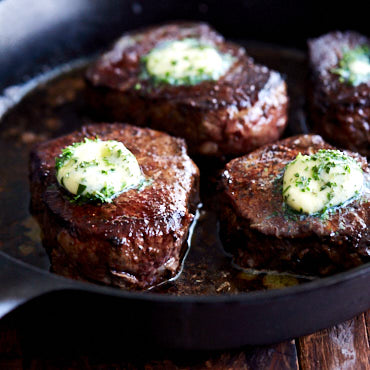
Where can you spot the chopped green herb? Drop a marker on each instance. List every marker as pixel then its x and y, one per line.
pixel 286 189
pixel 348 67
pixel 85 164
pixel 81 189
pixel 181 69
pixel 107 161
pixel 326 169
pixel 104 153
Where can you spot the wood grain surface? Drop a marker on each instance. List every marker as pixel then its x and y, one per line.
pixel 345 346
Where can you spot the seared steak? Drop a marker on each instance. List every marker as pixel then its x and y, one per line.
pixel 261 232
pixel 135 241
pixel 340 112
pixel 244 109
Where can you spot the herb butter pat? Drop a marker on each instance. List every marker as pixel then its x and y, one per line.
pixel 354 67
pixel 186 62
pixel 96 170
pixel 322 180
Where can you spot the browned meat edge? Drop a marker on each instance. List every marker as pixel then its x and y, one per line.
pixel 137 240
pixel 261 234
pixel 340 112
pixel 244 109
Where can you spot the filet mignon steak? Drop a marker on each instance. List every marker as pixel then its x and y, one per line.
pixel 242 110
pixel 259 230
pixel 138 239
pixel 340 112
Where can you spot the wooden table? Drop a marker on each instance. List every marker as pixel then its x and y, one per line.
pixel 344 346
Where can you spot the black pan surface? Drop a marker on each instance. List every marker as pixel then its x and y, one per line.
pixel 213 304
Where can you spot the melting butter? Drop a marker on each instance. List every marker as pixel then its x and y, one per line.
pixel 322 180
pixel 354 66
pixel 97 170
pixel 186 62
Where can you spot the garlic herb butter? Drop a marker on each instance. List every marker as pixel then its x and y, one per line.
pixel 96 170
pixel 314 183
pixel 186 62
pixel 354 67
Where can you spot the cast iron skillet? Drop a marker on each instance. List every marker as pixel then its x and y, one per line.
pixel 51 33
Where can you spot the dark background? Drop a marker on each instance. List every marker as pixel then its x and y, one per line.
pixel 36 35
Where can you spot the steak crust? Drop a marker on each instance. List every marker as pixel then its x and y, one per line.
pixel 340 112
pixel 261 233
pixel 244 109
pixel 135 241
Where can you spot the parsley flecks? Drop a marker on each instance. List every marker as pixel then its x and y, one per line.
pixel 65 156
pixel 183 63
pixel 286 189
pixel 114 165
pixel 67 153
pixel 303 183
pixel 347 70
pixel 108 162
pixel 85 164
pixel 330 159
pixel 81 189
pixel 324 177
pixel 105 195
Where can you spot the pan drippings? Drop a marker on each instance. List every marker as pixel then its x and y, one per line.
pixel 58 107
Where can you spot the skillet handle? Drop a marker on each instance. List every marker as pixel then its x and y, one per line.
pixel 20 282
